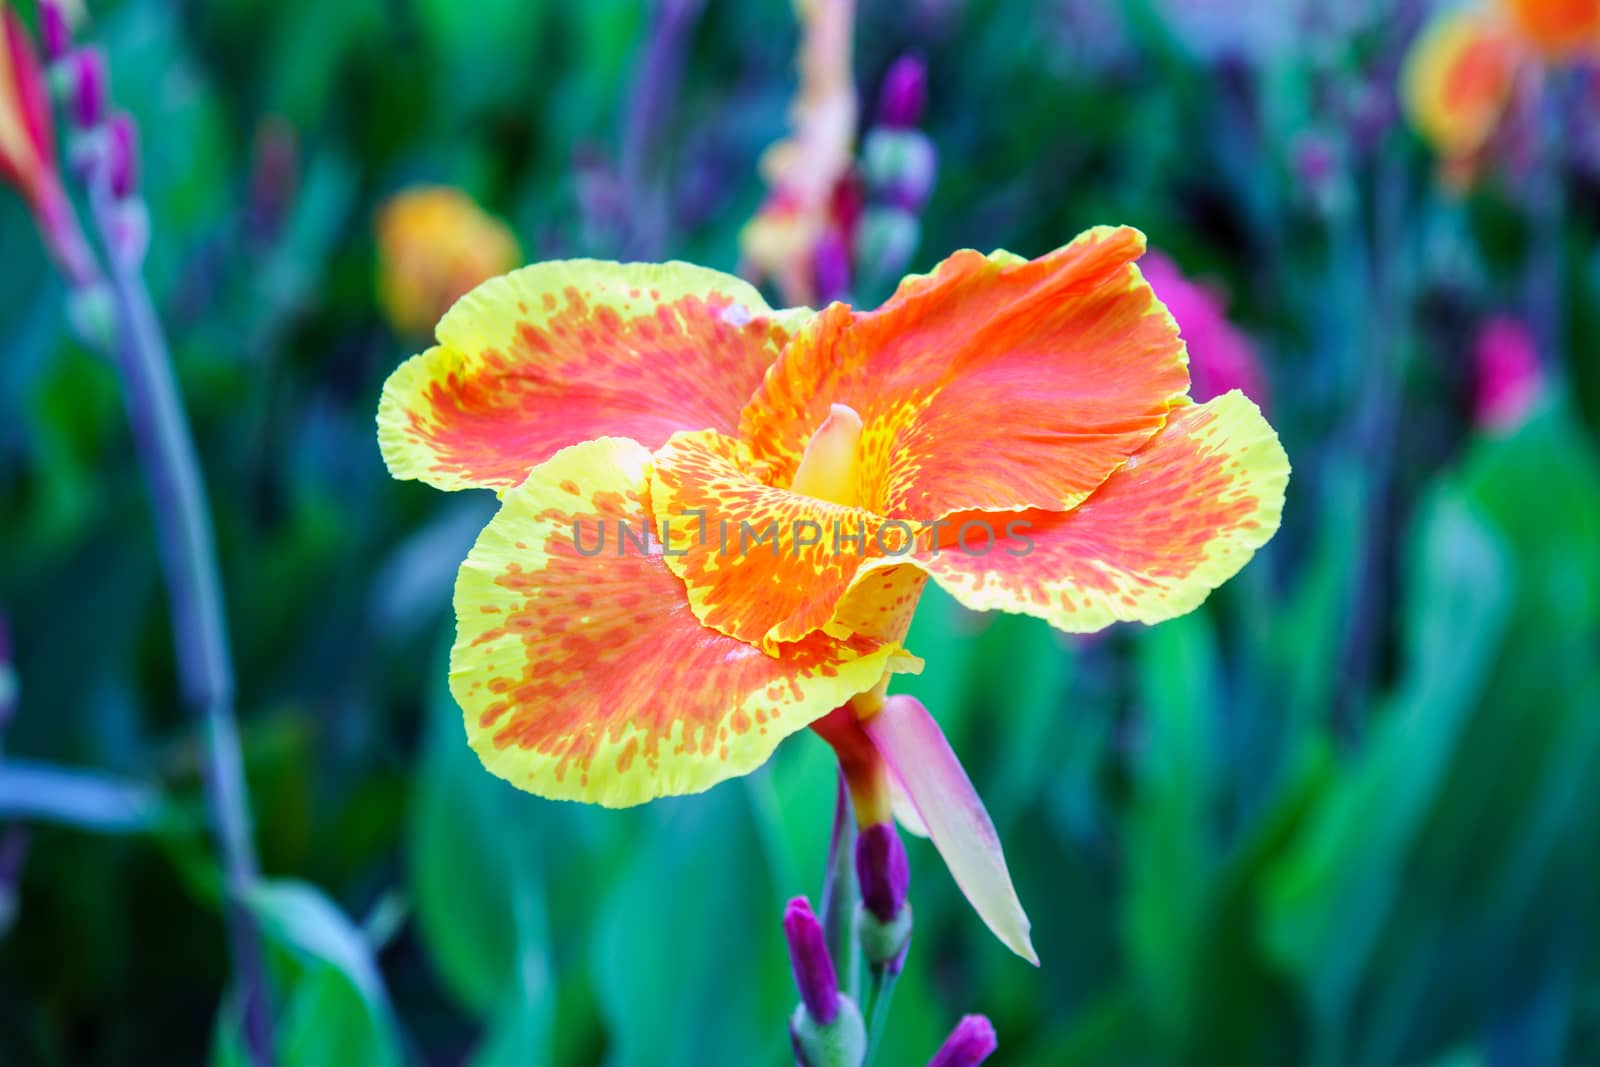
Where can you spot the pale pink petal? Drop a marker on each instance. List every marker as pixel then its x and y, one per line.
pixel 920 758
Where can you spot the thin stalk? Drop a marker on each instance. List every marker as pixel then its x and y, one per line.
pixel 183 530
pixel 880 991
pixel 841 894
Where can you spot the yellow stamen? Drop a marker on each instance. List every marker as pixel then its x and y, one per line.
pixel 827 471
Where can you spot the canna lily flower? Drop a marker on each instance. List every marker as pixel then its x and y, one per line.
pixel 434 244
pixel 716 518
pixel 1469 62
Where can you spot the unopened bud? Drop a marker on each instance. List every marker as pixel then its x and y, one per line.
pixel 969 1044
pixel 122 155
pixel 899 166
pixel 884 924
pixel 813 967
pixel 905 89
pixel 830 264
pixel 91 312
pixel 55 35
pixel 841 1043
pixel 90 87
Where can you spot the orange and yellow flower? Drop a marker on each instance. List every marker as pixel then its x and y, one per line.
pixel 1468 62
pixel 716 518
pixel 434 244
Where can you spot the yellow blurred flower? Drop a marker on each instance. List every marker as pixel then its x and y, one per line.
pixel 434 244
pixel 1457 80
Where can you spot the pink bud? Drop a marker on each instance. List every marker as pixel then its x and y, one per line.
pixel 969 1044
pixel 89 88
pixel 1509 377
pixel 813 967
pixel 905 91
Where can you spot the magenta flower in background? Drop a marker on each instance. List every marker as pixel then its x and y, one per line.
pixel 1221 357
pixel 1509 377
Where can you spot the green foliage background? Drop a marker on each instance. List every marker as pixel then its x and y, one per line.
pixel 1344 815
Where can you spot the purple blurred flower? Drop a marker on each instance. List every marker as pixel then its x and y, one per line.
pixel 1221 357
pixel 969 1044
pixel 813 967
pixel 89 88
pixel 55 35
pixel 904 94
pixel 1509 377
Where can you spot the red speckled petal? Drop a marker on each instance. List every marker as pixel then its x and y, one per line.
pixel 768 565
pixel 1182 517
pixel 557 353
pixel 992 383
pixel 580 668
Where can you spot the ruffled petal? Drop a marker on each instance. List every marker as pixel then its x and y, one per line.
pixel 1182 517
pixel 562 352
pixel 992 383
pixel 583 674
pixel 766 565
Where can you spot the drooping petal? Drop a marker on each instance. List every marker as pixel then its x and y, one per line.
pixel 583 674
pixel 562 352
pixel 1182 517
pixel 993 382
pixel 762 564
pixel 920 758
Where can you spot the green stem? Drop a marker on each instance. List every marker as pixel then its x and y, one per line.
pixel 183 528
pixel 880 991
pixel 840 894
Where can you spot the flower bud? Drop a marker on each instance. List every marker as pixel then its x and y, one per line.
pixel 826 1028
pixel 905 91
pixel 813 967
pixel 830 262
pixel 841 1043
pixel 899 166
pixel 884 922
pixel 55 35
pixel 969 1044
pixel 89 88
pixel 122 155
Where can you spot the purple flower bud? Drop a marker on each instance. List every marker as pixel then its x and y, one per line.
pixel 884 871
pixel 813 967
pixel 905 90
pixel 54 34
pixel 89 87
pixel 969 1044
pixel 830 263
pixel 122 155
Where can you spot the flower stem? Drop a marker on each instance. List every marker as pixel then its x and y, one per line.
pixel 183 529
pixel 880 990
pixel 840 894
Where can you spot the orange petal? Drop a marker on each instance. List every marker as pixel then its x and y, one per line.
pixel 1557 28
pixel 1182 517
pixel 558 353
pixel 580 668
pixel 993 382
pixel 764 564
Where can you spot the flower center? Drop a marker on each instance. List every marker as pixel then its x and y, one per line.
pixel 827 471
